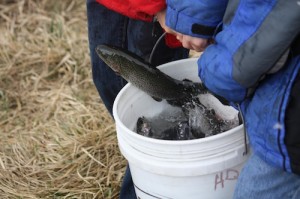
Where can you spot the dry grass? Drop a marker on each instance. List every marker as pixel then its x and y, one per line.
pixel 56 138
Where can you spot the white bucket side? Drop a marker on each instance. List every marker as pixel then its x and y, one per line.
pixel 219 185
pixel 182 166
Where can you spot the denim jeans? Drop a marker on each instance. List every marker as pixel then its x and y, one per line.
pixel 259 180
pixel 108 27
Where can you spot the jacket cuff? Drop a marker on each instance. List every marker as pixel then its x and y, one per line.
pixel 188 25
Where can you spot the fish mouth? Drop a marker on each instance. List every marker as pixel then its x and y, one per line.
pixel 103 52
pixel 106 54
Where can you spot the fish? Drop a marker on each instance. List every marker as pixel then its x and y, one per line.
pixel 147 77
pixel 201 121
pixel 163 129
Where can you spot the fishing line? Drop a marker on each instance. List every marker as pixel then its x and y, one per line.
pixel 155 46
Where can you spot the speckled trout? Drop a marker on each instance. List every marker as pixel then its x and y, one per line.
pixel 147 77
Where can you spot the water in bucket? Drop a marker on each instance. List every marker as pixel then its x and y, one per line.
pixel 192 120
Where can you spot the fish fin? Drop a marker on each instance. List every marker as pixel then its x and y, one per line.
pixel 187 80
pixel 157 99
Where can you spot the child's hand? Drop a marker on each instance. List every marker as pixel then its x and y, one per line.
pixel 193 43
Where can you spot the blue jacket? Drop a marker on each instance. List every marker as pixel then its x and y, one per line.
pixel 255 62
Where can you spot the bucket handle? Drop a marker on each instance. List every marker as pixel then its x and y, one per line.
pixel 244 129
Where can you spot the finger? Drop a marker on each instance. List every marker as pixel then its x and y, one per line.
pixel 190 43
pixel 197 48
pixel 187 44
pixel 199 44
pixel 169 30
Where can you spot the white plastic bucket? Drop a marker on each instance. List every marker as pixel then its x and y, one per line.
pixel 190 169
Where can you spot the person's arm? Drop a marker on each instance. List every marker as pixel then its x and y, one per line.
pixel 194 43
pixel 255 35
pixel 193 22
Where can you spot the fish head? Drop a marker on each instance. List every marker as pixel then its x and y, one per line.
pixel 108 55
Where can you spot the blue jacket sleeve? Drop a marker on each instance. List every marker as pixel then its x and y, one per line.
pixel 198 18
pixel 253 39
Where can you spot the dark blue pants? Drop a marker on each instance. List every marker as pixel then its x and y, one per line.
pixel 108 27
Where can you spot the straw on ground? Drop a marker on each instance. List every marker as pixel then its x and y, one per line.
pixel 56 138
